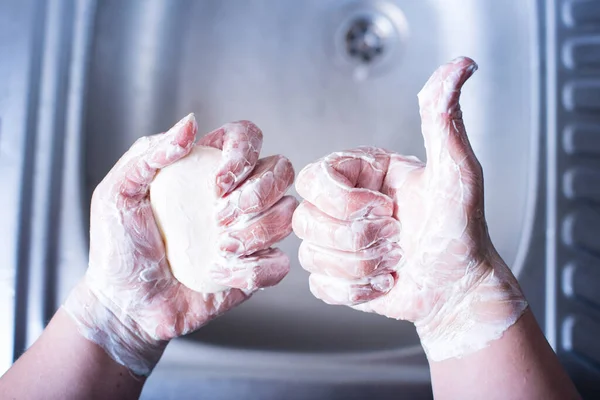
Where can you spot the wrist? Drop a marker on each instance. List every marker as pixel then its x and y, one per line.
pixel 99 320
pixel 485 302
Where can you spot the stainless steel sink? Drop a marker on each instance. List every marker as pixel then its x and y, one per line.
pixel 289 67
pixel 317 77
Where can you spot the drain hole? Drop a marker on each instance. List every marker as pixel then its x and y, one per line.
pixel 368 38
pixel 364 40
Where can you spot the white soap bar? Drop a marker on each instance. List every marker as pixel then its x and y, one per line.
pixel 183 201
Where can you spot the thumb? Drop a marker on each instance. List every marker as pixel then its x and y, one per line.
pixel 446 141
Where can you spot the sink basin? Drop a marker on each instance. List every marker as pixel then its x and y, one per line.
pixel 316 77
pixel 290 68
pixel 88 77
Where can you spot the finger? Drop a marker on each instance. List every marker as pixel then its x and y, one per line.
pixel 349 292
pixel 262 269
pixel 384 257
pixel 149 154
pixel 445 136
pixel 363 167
pixel 346 185
pixel 267 183
pixel 314 226
pixel 241 142
pixel 261 231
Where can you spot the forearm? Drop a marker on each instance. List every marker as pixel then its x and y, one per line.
pixel 62 364
pixel 519 365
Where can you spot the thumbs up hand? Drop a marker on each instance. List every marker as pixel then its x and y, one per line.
pixel 388 234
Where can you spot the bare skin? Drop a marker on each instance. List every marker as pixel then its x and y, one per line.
pixel 519 365
pixel 62 364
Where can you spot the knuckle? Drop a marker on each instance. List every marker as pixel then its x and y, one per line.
pixel 250 127
pixel 141 143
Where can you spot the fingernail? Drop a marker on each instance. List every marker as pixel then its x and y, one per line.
pixel 182 122
pixel 187 118
pixel 224 183
pixel 229 244
pixel 382 283
pixel 180 137
pixel 226 212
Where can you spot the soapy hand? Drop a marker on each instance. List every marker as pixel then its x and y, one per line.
pixel 129 303
pixel 386 233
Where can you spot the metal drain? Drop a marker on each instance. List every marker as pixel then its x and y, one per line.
pixel 365 41
pixel 369 37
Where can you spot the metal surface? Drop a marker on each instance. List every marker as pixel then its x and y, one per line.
pixel 572 292
pixel 21 24
pixel 369 37
pixel 135 67
pixel 273 63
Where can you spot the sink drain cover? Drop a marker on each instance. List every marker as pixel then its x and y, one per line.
pixel 368 38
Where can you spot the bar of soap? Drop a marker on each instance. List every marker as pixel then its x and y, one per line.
pixel 183 200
